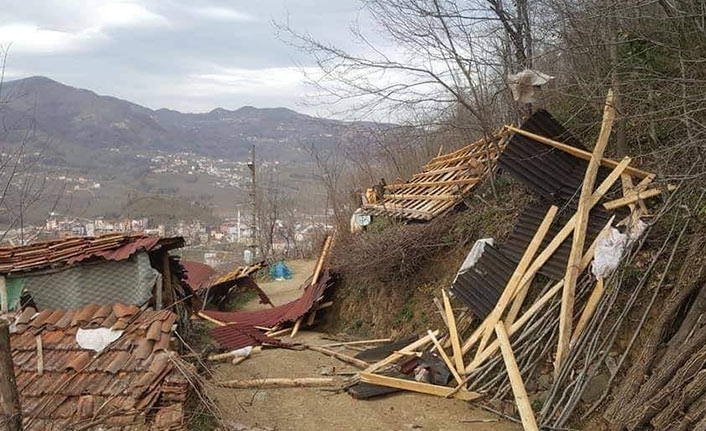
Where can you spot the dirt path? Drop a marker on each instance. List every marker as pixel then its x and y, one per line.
pixel 307 409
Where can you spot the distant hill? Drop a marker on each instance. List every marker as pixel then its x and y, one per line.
pixel 79 123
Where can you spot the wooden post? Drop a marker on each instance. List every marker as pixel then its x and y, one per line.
pixel 582 213
pixel 40 355
pixel 158 293
pixel 588 310
pixel 10 411
pixel 167 292
pixel 4 299
pixel 453 332
pixel 513 373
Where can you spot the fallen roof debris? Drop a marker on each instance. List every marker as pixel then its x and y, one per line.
pixel 442 184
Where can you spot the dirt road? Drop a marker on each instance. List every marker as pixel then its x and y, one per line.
pixel 307 409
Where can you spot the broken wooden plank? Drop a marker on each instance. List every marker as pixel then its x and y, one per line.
pixel 272 383
pixel 577 152
pixel 40 355
pixel 529 423
pixel 445 357
pixel 353 343
pixel 634 197
pixel 444 197
pixel 566 314
pixel 433 183
pixel 453 332
pixel 408 385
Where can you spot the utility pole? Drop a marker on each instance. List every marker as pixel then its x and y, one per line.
pixel 10 411
pixel 253 204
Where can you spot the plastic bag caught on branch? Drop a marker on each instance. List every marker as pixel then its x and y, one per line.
pixel 525 84
pixel 611 247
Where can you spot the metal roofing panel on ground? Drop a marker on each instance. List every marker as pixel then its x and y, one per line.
pixel 128 383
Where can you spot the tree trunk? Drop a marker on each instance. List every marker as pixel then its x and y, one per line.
pixel 10 411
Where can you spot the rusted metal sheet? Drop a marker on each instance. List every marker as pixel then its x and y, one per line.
pixel 69 251
pixel 270 317
pixel 196 273
pixel 128 383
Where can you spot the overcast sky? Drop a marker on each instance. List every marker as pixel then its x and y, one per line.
pixel 189 55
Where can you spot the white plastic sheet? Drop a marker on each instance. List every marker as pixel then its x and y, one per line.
pixel 96 339
pixel 611 247
pixel 475 254
pixel 525 84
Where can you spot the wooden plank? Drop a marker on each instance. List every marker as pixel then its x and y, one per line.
pixel 401 210
pixel 444 197
pixel 445 357
pixel 634 197
pixel 576 152
pixel 493 347
pixel 512 284
pixel 357 342
pixel 414 386
pixel 433 183
pixel 340 356
pixel 397 355
pixel 167 289
pixel 529 423
pixel 471 165
pixel 40 355
pixel 589 309
pixel 453 332
pixel 315 278
pixel 582 213
pixel 10 410
pixel 4 301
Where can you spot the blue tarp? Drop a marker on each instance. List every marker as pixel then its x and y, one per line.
pixel 280 271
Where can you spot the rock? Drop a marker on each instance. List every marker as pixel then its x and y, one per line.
pixel 326 370
pixel 413 426
pixel 595 388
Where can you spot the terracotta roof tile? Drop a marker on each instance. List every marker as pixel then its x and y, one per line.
pixel 122 383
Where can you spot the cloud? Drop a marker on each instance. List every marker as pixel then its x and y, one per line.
pixel 225 14
pixel 32 39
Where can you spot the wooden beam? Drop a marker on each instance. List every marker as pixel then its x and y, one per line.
pixel 397 355
pixel 444 197
pixel 453 331
pixel 588 310
pixel 40 355
pixel 414 386
pixel 433 183
pixel 576 152
pixel 358 342
pixel 10 410
pixel 400 209
pixel 167 289
pixel 341 357
pixel 582 213
pixel 512 284
pixel 273 383
pixel 472 164
pixel 634 197
pixel 529 423
pixel 4 297
pixel 445 357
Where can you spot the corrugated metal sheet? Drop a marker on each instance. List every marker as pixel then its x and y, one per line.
pixel 480 286
pixel 289 312
pixel 133 382
pixel 74 250
pixel 196 273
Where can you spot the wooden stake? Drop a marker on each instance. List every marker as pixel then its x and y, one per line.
pixel 272 383
pixel 582 213
pixel 414 386
pixel 445 357
pixel 315 278
pixel 167 290
pixel 588 310
pixel 340 356
pixel 4 298
pixel 397 355
pixel 453 332
pixel 40 355
pixel 635 197
pixel 512 284
pixel 10 411
pixel 529 423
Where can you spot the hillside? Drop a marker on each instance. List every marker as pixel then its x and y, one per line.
pixel 80 121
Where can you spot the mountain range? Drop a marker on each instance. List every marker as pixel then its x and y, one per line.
pixel 77 123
